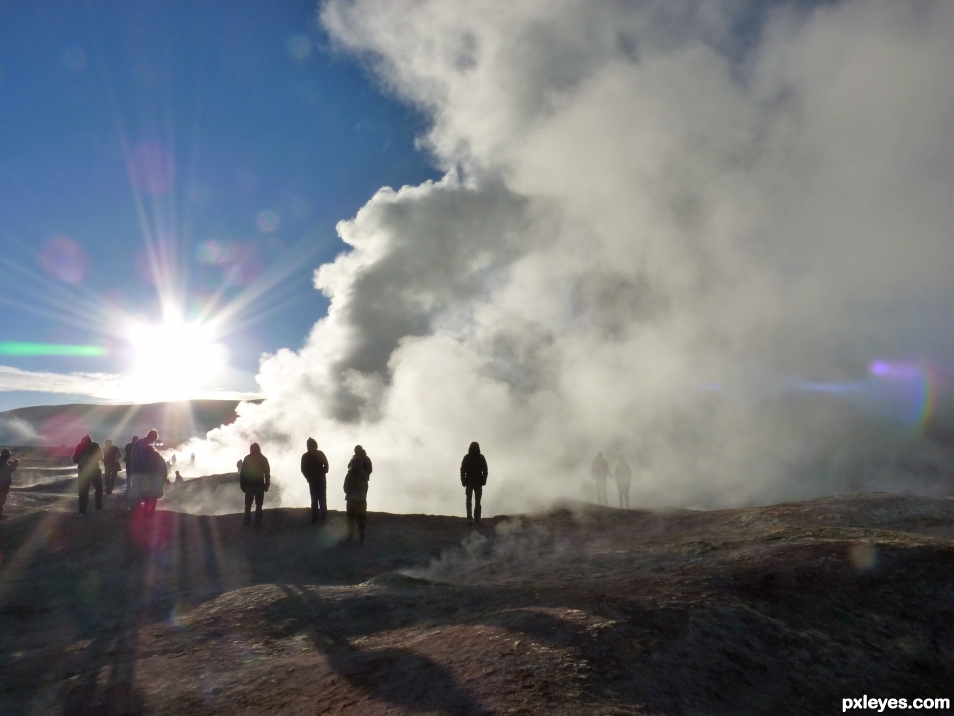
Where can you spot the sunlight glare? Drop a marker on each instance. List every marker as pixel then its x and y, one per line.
pixel 173 359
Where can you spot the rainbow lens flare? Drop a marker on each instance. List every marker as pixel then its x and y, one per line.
pixel 49 349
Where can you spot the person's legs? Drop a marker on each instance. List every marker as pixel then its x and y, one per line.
pixel 259 499
pixel 4 491
pixel 82 486
pixel 601 498
pixel 323 499
pixel 469 491
pixel 624 491
pixel 98 485
pixel 313 491
pixel 351 521
pixel 478 491
pixel 248 509
pixel 361 518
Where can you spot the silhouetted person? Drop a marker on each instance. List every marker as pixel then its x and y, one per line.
pixel 473 476
pixel 173 459
pixel 356 492
pixel 600 472
pixel 179 479
pixel 87 456
pixel 7 467
pixel 151 472
pixel 624 477
pixel 314 466
pixel 238 467
pixel 255 476
pixel 111 458
pixel 192 459
pixel 128 457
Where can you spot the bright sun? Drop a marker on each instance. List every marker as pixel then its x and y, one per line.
pixel 173 359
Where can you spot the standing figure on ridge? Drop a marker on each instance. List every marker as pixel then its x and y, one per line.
pixel 623 476
pixel 473 476
pixel 314 466
pixel 356 492
pixel 7 467
pixel 111 458
pixel 600 472
pixel 87 456
pixel 129 472
pixel 192 459
pixel 255 476
pixel 151 472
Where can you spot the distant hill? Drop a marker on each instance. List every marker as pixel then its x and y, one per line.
pixel 54 425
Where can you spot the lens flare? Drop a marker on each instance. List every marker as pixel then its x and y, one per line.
pixel 152 168
pixel 268 221
pixel 64 259
pixel 49 349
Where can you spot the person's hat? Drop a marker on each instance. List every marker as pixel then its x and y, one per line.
pixel 5 453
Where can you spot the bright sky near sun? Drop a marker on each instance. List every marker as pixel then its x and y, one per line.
pixel 171 174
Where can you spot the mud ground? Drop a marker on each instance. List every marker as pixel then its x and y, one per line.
pixel 785 609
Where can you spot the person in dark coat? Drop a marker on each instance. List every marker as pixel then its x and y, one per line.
pixel 150 472
pixel 255 476
pixel 473 476
pixel 356 492
pixel 600 472
pixel 111 465
pixel 624 477
pixel 127 453
pixel 7 467
pixel 87 456
pixel 314 466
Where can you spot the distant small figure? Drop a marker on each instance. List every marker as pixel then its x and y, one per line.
pixel 111 458
pixel 179 479
pixel 192 459
pixel 238 467
pixel 600 472
pixel 87 456
pixel 255 476
pixel 173 460
pixel 128 456
pixel 356 492
pixel 473 476
pixel 151 473
pixel 314 466
pixel 7 468
pixel 623 476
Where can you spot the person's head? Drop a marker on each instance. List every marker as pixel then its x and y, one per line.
pixel 135 438
pixel 108 442
pixel 152 436
pixel 358 450
pixel 599 454
pixel 177 474
pixel 255 449
pixel 474 448
pixel 5 453
pixel 311 444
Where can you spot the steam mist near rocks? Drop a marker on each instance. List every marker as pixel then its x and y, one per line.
pixel 678 231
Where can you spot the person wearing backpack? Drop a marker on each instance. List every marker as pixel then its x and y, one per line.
pixel 356 492
pixel 255 476
pixel 314 466
pixel 473 476
pixel 87 456
pixel 111 458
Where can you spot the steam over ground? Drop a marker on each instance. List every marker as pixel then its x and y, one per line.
pixel 683 232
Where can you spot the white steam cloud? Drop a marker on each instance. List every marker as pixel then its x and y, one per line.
pixel 657 217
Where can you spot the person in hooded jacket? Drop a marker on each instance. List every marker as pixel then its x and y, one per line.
pixel 473 476
pixel 255 476
pixel 151 472
pixel 314 466
pixel 7 467
pixel 111 465
pixel 87 456
pixel 600 472
pixel 356 492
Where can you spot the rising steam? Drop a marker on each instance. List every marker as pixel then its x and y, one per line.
pixel 661 224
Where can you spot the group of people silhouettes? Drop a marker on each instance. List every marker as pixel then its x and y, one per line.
pixel 601 474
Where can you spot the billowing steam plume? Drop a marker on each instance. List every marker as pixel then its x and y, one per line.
pixel 678 231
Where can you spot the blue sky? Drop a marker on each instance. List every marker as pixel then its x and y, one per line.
pixel 229 135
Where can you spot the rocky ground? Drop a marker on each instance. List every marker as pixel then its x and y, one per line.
pixel 785 609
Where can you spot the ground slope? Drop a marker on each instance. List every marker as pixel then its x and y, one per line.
pixel 783 610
